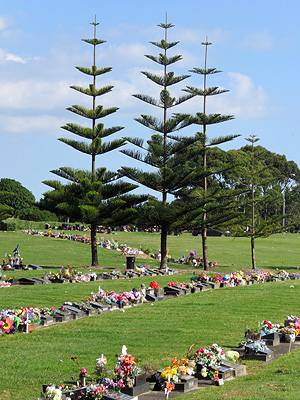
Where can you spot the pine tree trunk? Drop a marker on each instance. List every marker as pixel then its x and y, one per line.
pixel 204 248
pixel 163 247
pixel 94 245
pixel 253 253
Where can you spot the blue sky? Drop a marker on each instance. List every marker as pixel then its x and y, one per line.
pixel 256 44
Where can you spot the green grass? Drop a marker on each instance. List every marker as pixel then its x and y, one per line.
pixel 153 333
pixel 230 253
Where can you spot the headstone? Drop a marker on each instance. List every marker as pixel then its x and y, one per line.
pixel 77 313
pixel 136 390
pixel 238 369
pixel 111 395
pixel 186 383
pixel 106 275
pixel 224 372
pixel 252 354
pixel 151 297
pixel 14 281
pixel 173 291
pixel 27 281
pixel 101 307
pixel 91 311
pixel 47 320
pixel 61 316
pixel 33 266
pixel 159 293
pixel 43 281
pixel 272 339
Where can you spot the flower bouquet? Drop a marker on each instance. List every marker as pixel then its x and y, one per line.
pixel 208 358
pixel 290 333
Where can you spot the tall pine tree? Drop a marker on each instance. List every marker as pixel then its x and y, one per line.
pixel 203 119
pixel 96 195
pixel 164 153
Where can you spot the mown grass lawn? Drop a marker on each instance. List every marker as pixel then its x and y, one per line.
pixel 154 333
pixel 230 253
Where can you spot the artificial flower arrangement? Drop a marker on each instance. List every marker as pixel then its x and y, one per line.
pixel 203 277
pixel 172 374
pixel 154 285
pixel 290 331
pixel 217 279
pixel 111 297
pixel 11 320
pixel 173 284
pixel 232 355
pixel 126 368
pixel 208 357
pixel 268 327
pixel 3 281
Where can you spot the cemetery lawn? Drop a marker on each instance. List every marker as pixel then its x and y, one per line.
pixel 153 333
pixel 230 253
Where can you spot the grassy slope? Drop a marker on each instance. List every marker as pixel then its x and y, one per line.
pixel 153 333
pixel 273 252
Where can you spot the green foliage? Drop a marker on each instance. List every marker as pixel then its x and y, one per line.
pixel 15 195
pixel 16 224
pixel 166 153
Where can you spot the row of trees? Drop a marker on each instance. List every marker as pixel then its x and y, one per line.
pixel 199 184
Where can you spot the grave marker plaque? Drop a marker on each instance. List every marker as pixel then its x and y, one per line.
pixel 101 307
pixel 118 396
pixel 186 383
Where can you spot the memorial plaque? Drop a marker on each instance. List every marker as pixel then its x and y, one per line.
pixel 77 313
pixel 27 281
pixel 105 275
pixel 91 311
pixel 186 383
pixel 224 372
pixel 151 297
pixel 272 339
pixel 110 395
pixel 173 291
pixel 136 390
pixel 101 307
pixel 238 369
pixel 13 281
pixel 47 320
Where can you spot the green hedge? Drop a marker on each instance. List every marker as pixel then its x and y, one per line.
pixel 16 224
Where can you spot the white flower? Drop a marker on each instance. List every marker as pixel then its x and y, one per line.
pixel 190 371
pixel 175 378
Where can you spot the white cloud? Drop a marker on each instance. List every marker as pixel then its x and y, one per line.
pixel 31 124
pixel 245 100
pixel 4 57
pixel 15 58
pixel 29 94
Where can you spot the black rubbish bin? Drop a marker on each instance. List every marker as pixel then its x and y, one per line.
pixel 130 262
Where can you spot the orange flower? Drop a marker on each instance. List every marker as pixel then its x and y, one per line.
pixel 183 369
pixel 175 362
pixel 184 361
pixel 169 386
